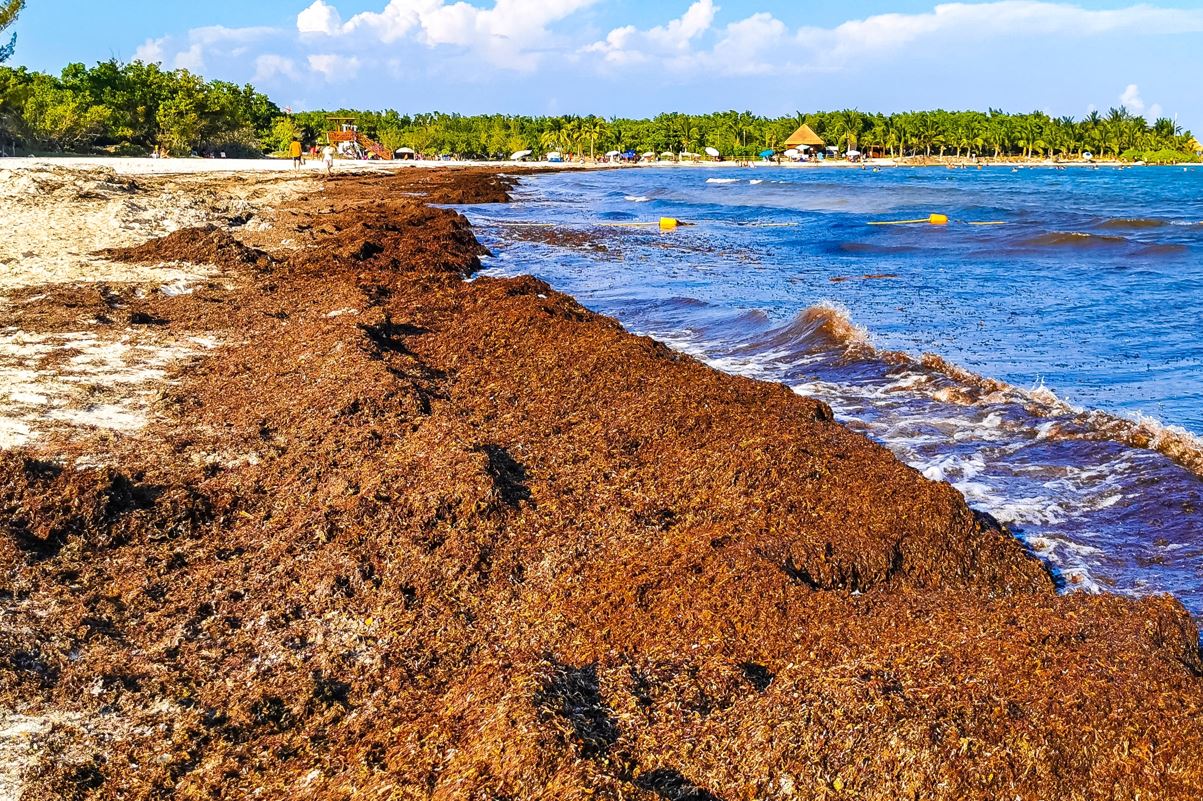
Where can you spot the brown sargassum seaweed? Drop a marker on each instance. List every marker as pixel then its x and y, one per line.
pixel 409 536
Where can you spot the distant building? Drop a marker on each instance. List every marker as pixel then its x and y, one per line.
pixel 805 137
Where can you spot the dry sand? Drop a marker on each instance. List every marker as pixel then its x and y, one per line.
pixel 57 215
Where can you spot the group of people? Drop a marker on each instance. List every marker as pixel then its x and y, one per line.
pixel 298 155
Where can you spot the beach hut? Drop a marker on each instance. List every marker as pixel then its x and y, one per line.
pixel 805 137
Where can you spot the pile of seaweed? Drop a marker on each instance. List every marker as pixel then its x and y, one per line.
pixel 410 536
pixel 207 245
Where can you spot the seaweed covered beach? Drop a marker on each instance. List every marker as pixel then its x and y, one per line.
pixel 360 527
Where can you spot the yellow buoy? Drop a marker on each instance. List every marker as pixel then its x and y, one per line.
pixel 934 219
pixel 668 224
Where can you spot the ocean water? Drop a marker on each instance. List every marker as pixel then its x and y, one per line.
pixel 1049 364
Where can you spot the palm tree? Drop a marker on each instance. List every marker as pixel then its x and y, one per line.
pixel 1028 135
pixel 550 141
pixel 744 121
pixel 595 128
pixel 690 136
pixel 574 134
pixel 927 132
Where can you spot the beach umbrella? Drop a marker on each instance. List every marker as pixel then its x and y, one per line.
pixel 521 154
pixel 853 152
pixel 1087 155
pixel 667 155
pixel 406 150
pixel 612 154
pixel 712 152
pixel 767 154
pixel 793 152
pixel 649 155
pixel 630 154
pixel 833 148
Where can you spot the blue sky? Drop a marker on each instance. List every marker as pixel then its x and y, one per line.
pixel 635 57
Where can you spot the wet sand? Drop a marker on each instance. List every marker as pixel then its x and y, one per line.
pixel 391 532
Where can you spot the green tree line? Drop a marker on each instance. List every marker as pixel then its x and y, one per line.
pixel 136 107
pixel 1116 134
pixel 132 108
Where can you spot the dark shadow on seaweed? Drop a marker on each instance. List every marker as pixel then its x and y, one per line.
pixel 757 675
pixel 573 693
pixel 508 474
pixel 390 336
pixel 672 786
pixel 987 520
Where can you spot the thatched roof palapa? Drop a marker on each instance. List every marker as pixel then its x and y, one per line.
pixel 804 137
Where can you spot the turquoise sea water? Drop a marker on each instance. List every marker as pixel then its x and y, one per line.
pixel 1063 387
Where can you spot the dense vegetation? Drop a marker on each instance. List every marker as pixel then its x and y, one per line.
pixel 136 107
pixel 131 108
pixel 1119 133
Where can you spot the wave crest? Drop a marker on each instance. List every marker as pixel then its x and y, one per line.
pixel 1065 421
pixel 1075 239
pixel 823 327
pixel 1133 222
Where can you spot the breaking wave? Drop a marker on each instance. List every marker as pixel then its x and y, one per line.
pixel 827 329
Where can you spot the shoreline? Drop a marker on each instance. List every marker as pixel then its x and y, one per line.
pixel 179 166
pixel 394 519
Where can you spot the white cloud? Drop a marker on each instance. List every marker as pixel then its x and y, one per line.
pixel 150 51
pixel 747 47
pixel 629 45
pixel 886 33
pixel 512 34
pixel 763 44
pixel 1131 100
pixel 270 66
pixel 190 51
pixel 192 59
pixel 335 68
pixel 319 18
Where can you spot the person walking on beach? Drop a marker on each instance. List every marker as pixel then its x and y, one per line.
pixel 328 158
pixel 294 150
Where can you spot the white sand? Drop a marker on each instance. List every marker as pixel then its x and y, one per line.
pixel 17 751
pixel 85 380
pixel 102 378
